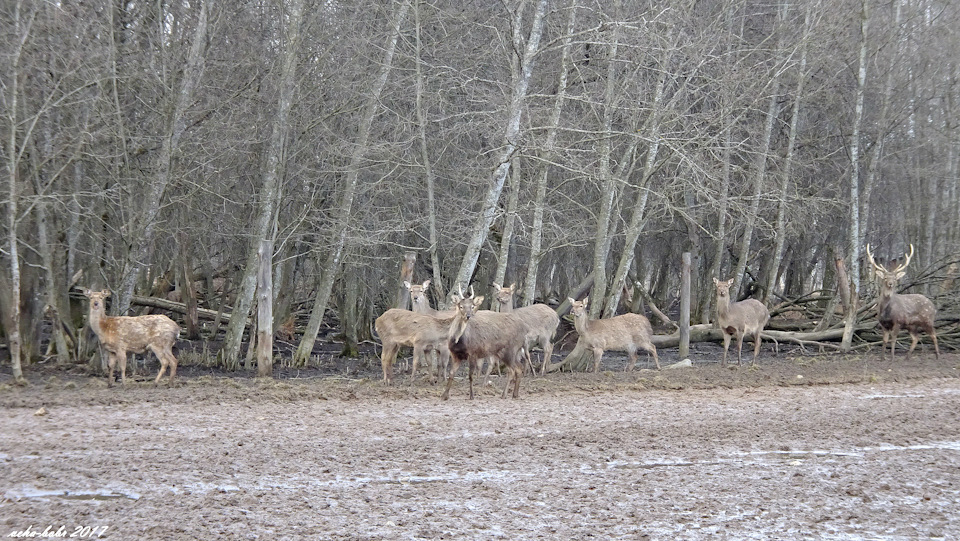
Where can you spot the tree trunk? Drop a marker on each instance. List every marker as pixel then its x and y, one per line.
pixel 143 224
pixel 265 310
pixel 434 249
pixel 511 140
pixel 609 185
pixel 780 229
pixel 539 202
pixel 331 263
pixel 503 258
pixel 269 193
pixel 406 275
pixel 758 181
pixel 853 239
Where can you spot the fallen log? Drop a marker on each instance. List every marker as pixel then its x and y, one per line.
pixel 178 307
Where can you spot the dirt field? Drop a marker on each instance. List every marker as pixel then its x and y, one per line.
pixel 799 447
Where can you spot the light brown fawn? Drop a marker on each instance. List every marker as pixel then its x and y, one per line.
pixel 134 334
pixel 911 311
pixel 626 332
pixel 748 316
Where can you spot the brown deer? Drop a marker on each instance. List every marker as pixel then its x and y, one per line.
pixel 503 298
pixel 419 301
pixel 541 320
pixel 134 334
pixel 475 334
pixel 626 332
pixel 748 316
pixel 422 332
pixel 911 311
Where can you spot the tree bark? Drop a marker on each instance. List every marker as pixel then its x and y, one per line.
pixel 331 263
pixel 539 202
pixel 144 223
pixel 853 238
pixel 511 140
pixel 269 192
pixel 265 310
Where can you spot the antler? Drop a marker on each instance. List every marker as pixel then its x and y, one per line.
pixel 872 262
pixel 907 262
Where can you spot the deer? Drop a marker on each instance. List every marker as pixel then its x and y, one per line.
pixel 422 332
pixel 911 311
pixel 541 320
pixel 475 334
pixel 419 301
pixel 748 316
pixel 135 334
pixel 626 332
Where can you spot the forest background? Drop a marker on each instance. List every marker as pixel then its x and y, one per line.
pixel 570 146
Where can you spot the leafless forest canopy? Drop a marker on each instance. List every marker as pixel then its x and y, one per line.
pixel 570 146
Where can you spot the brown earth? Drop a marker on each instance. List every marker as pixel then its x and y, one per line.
pixel 797 447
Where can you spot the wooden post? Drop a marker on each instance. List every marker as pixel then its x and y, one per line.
pixel 685 307
pixel 265 309
pixel 406 275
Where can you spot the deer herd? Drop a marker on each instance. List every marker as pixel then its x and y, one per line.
pixel 504 335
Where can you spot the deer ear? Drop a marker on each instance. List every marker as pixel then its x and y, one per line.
pixel 730 282
pixel 879 274
pixel 406 284
pixel 497 286
pixel 715 281
pixel 571 299
pixel 477 301
pixel 455 298
pixel 106 293
pixel 585 301
pixel 513 286
pixel 901 274
pixel 426 285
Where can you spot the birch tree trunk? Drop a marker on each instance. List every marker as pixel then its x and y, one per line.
pixel 609 186
pixel 507 237
pixel 229 356
pixel 853 239
pixel 511 138
pixel 331 263
pixel 144 223
pixel 536 233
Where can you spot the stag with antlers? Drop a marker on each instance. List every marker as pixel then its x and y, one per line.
pixel 911 311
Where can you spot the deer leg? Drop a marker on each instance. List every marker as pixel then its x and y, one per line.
pixel 471 368
pixel 756 346
pixel 726 346
pixel 597 354
pixel 122 359
pixel 547 356
pixel 739 348
pixel 526 356
pixel 454 366
pixel 893 346
pixel 173 364
pixel 387 356
pixel 913 343
pixel 933 334
pixel 111 362
pixel 653 351
pixel 632 353
pixel 489 361
pixel 163 363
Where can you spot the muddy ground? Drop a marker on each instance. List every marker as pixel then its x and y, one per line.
pixel 799 447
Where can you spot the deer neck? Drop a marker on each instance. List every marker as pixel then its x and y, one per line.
pixel 723 306
pixel 95 318
pixel 457 327
pixel 581 322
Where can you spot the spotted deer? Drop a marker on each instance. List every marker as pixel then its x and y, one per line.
pixel 135 334
pixel 911 311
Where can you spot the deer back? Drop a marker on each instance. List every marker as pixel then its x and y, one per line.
pixel 408 328
pixel 489 333
pixel 137 333
pixel 539 318
pixel 747 316
pixel 910 310
pixel 618 333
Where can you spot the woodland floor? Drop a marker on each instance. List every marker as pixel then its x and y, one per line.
pixel 797 447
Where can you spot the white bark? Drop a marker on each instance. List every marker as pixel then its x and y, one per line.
pixel 510 136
